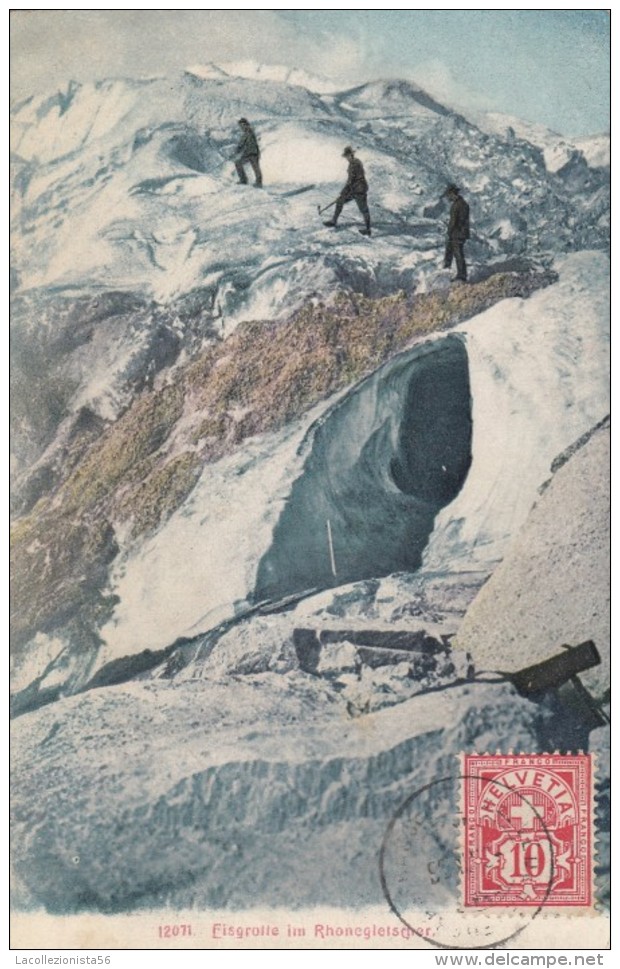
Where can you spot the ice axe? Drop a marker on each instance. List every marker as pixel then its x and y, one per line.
pixel 326 207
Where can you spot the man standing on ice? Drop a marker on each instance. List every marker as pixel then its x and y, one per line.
pixel 248 151
pixel 355 188
pixel 458 233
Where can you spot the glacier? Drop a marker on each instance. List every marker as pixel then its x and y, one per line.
pixel 241 696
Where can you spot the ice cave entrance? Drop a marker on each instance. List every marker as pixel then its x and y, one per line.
pixel 384 462
pixel 434 440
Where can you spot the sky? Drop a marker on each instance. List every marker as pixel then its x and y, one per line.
pixel 546 66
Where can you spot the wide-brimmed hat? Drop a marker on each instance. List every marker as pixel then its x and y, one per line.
pixel 243 121
pixel 452 190
pixel 348 151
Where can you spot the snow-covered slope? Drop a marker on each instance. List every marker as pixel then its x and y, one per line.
pixel 596 150
pixel 557 150
pixel 138 781
pixel 254 70
pixel 130 185
pixel 553 584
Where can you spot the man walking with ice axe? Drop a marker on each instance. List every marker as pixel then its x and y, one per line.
pixel 356 188
pixel 248 151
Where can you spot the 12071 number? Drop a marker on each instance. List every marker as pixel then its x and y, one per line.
pixel 173 931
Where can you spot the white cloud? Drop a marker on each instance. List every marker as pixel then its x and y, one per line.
pixel 341 59
pixel 440 82
pixel 50 47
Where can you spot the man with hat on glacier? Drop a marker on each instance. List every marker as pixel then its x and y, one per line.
pixel 248 151
pixel 458 233
pixel 356 188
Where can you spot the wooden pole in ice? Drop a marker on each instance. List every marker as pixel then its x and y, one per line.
pixel 331 547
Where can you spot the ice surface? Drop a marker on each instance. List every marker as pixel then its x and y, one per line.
pixel 552 586
pixel 270 793
pixel 557 149
pixel 200 566
pixel 539 379
pixel 596 150
pixel 131 185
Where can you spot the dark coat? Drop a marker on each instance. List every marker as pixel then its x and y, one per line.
pixel 356 180
pixel 458 226
pixel 248 145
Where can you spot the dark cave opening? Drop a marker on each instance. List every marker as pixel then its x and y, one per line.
pixel 434 441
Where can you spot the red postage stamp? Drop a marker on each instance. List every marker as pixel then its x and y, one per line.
pixel 528 830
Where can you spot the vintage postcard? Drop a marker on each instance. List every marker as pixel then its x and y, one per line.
pixel 310 479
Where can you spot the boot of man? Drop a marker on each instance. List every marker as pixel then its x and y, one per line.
pixel 362 205
pixel 332 223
